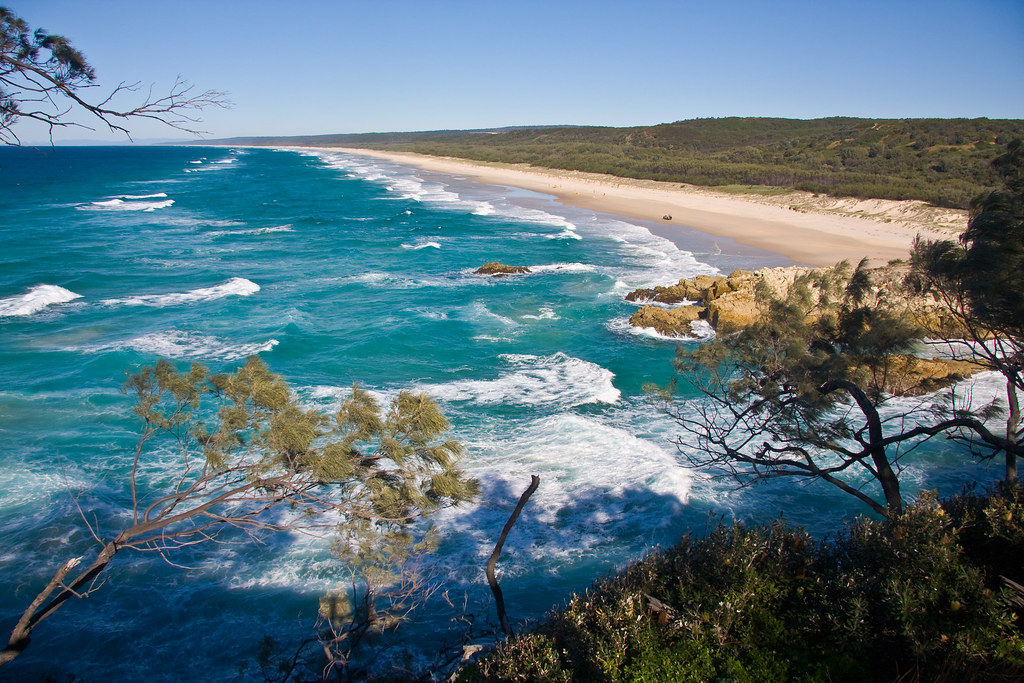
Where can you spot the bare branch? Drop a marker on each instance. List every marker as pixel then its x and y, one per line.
pixel 49 88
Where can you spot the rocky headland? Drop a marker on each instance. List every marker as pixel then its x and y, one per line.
pixel 730 304
pixel 727 303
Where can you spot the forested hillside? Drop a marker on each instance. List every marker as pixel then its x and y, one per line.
pixel 943 161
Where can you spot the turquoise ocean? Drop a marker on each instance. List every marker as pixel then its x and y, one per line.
pixel 337 268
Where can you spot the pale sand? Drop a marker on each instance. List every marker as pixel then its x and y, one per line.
pixel 813 230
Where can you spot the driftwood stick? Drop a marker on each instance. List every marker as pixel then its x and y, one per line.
pixel 499 601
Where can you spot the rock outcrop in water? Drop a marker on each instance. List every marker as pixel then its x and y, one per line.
pixel 496 269
pixel 726 302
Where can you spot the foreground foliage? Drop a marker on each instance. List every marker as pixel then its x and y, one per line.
pixel 807 391
pixel 979 281
pixel 224 452
pixel 919 598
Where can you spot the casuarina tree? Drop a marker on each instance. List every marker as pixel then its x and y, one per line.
pixel 249 458
pixel 44 78
pixel 807 391
pixel 979 281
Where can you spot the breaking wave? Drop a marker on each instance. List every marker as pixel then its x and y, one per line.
pixel 236 286
pixel 35 300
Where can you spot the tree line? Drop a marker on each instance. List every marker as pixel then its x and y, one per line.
pixel 946 162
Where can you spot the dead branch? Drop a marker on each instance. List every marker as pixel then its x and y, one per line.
pixel 495 588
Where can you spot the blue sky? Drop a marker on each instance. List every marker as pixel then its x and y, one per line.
pixel 308 67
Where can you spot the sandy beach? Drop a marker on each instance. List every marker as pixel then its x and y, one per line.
pixel 809 229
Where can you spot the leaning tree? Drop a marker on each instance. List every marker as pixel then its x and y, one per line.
pixel 806 392
pixel 980 282
pixel 44 78
pixel 249 457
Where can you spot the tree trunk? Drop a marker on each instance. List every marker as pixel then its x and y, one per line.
pixel 876 446
pixel 499 601
pixel 1012 425
pixel 22 632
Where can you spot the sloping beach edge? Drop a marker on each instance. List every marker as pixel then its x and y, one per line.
pixel 809 229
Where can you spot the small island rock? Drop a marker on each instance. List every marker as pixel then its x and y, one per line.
pixel 500 269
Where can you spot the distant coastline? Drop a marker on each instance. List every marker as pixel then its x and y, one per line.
pixel 813 230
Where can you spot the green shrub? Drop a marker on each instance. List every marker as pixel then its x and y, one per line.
pixel 915 598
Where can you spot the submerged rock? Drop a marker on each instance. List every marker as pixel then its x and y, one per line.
pixel 500 269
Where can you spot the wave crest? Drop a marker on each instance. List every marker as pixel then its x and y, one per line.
pixel 236 286
pixel 35 300
pixel 178 344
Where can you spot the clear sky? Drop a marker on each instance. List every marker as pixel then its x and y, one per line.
pixel 319 66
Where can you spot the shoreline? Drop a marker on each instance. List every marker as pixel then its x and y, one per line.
pixel 811 230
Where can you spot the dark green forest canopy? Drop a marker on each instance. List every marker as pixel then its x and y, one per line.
pixel 946 162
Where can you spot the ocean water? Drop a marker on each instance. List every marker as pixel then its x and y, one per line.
pixel 337 269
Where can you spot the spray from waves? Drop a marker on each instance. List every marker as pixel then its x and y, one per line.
pixel 178 344
pixel 422 245
pixel 35 300
pixel 556 380
pixel 236 286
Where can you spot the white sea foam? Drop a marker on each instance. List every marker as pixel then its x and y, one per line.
pixel 35 300
pixel 524 214
pixel 564 268
pixel 178 344
pixel 252 231
pixel 422 245
pixel 204 166
pixel 492 338
pixel 127 203
pixel 405 183
pixel 700 330
pixel 600 484
pixel 429 313
pixel 383 280
pixel 155 195
pixel 191 222
pixel 236 286
pixel 545 313
pixel 556 380
pixel 644 259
